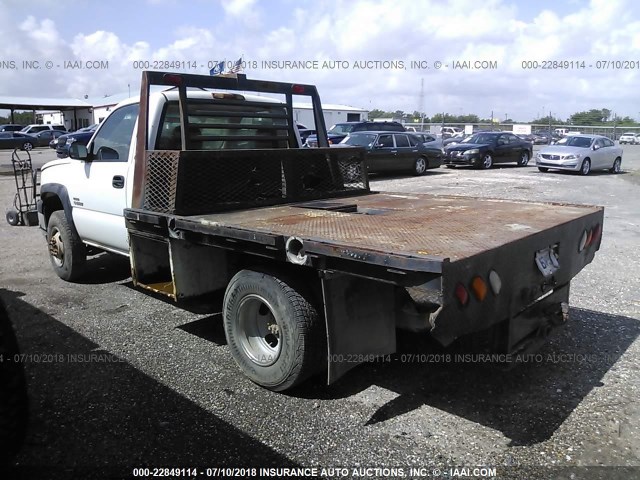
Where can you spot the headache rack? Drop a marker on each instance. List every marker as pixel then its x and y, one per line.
pixel 216 166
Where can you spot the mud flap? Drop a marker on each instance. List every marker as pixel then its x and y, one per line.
pixel 529 329
pixel 360 321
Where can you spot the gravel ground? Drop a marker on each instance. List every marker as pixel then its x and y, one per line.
pixel 121 379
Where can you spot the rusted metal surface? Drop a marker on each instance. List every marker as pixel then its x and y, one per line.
pixel 420 226
pixel 237 83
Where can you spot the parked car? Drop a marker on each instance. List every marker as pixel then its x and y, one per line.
pixel 546 137
pixel 11 127
pixel 629 137
pixel 394 151
pixel 427 138
pixel 448 132
pixel 339 131
pixel 455 139
pixel 304 132
pixel 482 150
pixel 17 140
pixel 45 137
pixel 82 136
pixel 35 128
pixel 581 153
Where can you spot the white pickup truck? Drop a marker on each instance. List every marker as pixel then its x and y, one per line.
pixel 206 188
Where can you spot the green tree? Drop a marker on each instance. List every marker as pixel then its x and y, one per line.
pixel 375 113
pixel 545 121
pixel 590 117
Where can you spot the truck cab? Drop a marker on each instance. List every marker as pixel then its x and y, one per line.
pixel 94 185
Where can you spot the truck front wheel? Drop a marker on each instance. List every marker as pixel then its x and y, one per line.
pixel 274 332
pixel 66 250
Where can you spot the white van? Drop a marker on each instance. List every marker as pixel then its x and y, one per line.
pixel 38 127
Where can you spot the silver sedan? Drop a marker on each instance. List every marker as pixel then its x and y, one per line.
pixel 581 153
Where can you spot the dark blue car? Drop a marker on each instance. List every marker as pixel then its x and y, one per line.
pixel 82 135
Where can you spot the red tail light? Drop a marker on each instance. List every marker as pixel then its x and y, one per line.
pixel 461 294
pixel 297 89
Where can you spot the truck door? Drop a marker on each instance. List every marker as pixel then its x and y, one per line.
pixel 99 197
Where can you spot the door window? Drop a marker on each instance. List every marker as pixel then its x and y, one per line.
pixel 385 141
pixel 113 140
pixel 402 141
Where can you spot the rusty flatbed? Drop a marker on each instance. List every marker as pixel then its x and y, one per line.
pixel 386 228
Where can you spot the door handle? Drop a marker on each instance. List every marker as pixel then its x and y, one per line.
pixel 118 181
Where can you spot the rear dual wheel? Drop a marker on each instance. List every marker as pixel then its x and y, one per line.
pixel 273 330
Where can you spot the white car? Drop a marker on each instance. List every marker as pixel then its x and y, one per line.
pixel 629 137
pixel 581 153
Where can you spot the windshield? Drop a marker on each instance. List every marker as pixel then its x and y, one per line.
pixel 582 142
pixel 362 140
pixel 480 138
pixel 341 128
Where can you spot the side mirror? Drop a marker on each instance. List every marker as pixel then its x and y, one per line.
pixel 595 147
pixel 78 152
pixel 378 145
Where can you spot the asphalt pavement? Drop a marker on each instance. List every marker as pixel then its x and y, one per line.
pixel 120 379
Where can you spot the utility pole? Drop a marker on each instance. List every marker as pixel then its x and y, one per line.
pixel 421 104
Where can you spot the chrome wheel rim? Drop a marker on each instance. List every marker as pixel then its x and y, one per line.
pixel 487 162
pixel 258 330
pixel 585 167
pixel 616 166
pixel 421 166
pixel 524 158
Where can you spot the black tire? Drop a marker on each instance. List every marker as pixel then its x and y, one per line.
pixel 420 166
pixel 487 161
pixel 13 218
pixel 66 250
pixel 616 168
pixel 27 146
pixel 13 393
pixel 585 168
pixel 524 159
pixel 543 169
pixel 275 334
pixel 450 166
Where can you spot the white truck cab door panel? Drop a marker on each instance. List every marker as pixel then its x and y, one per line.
pixel 99 195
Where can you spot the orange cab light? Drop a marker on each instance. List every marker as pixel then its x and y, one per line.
pixel 479 288
pixel 462 294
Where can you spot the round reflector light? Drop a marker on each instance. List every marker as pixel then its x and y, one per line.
pixel 495 282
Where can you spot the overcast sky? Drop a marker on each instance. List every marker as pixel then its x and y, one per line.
pixel 507 32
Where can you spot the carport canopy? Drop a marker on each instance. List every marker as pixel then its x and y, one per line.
pixel 32 103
